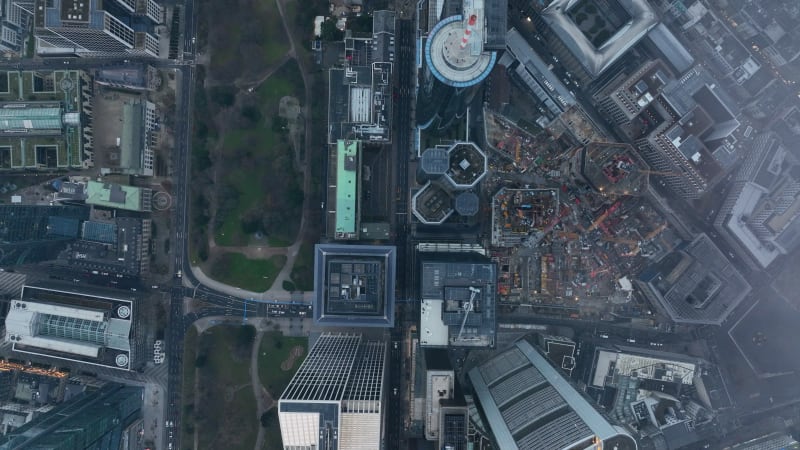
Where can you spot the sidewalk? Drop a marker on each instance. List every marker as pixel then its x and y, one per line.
pixel 270 295
pixel 288 326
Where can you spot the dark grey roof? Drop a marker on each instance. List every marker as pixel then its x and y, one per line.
pixel 116 248
pixel 449 278
pixel 383 22
pixel 694 88
pixel 467 204
pixel 672 49
pixel 690 146
pixel 496 16
pixel 679 435
pixel 116 194
pixel 705 290
pixel 789 238
pixel 529 405
pixel 434 161
pixel 714 104
pixel 437 275
pixel 383 29
pixel 373 269
pixel 437 359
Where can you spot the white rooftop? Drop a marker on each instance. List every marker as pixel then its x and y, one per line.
pixel 744 206
pixel 360 102
pixel 433 331
pixel 641 366
pixel 26 323
pixel 63 311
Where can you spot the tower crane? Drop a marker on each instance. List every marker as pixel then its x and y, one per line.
pixel 468 307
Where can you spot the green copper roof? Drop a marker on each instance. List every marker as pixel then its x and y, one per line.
pixel 114 196
pixel 29 118
pixel 131 139
pixel 346 185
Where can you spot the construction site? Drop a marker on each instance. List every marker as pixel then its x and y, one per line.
pixel 571 222
pixel 610 168
pixel 512 142
pixel 520 216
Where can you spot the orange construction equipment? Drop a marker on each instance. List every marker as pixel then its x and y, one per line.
pixel 604 216
pixel 633 252
pixel 655 232
pixel 619 240
pixel 563 213
pixel 568 235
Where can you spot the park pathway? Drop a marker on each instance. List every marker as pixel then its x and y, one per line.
pixel 276 290
pixel 264 400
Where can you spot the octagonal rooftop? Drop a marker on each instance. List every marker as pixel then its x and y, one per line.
pixel 467 165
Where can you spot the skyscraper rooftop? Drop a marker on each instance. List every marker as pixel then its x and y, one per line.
pixel 529 405
pixel 454 49
pixel 335 400
pixel 82 327
pixel 354 285
pixel 93 420
pixel 597 58
pixel 695 284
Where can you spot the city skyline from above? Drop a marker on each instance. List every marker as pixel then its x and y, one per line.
pixel 384 224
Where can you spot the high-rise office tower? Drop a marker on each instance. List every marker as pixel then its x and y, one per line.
pixel 335 400
pixel 760 217
pixel 94 420
pixel 529 405
pixel 97 28
pixel 459 53
pixel 678 125
pixel 32 233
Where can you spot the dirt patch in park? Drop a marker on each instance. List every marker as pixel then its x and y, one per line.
pixel 288 363
pixel 289 108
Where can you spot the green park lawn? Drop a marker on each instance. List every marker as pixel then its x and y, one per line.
pixel 226 413
pixel 267 176
pixel 250 274
pixel 274 349
pixel 247 39
pixel 303 268
pixel 189 357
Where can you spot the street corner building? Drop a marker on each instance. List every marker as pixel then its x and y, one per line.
pixel 529 405
pixel 90 328
pixel 336 398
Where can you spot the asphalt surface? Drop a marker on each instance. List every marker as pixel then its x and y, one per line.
pixel 403 124
pixel 402 149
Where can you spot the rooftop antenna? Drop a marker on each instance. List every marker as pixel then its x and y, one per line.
pixel 468 30
pixel 468 307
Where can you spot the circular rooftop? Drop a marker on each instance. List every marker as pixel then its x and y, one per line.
pixel 452 62
pixel 434 161
pixel 467 204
